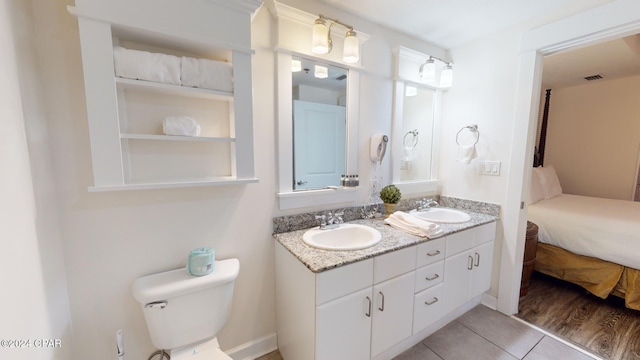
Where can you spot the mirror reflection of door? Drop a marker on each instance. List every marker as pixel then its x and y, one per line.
pixel 319 124
pixel 319 133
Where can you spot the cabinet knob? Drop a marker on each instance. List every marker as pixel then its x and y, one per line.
pixel 470 263
pixel 437 252
pixel 368 313
pixel 477 260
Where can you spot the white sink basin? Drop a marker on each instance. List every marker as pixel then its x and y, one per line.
pixel 344 237
pixel 442 215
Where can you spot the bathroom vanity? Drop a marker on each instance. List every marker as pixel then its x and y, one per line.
pixel 374 302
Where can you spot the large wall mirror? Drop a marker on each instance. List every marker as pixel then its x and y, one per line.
pixel 319 93
pixel 317 130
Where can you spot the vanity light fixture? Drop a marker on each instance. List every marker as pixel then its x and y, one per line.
pixel 296 65
pixel 428 72
pixel 321 42
pixel 321 72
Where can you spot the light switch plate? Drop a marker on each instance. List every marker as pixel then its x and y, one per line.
pixel 490 168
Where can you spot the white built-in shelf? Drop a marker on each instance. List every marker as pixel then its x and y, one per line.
pixel 176 138
pixel 175 90
pixel 133 185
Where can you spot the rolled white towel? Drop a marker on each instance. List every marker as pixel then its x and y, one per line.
pixel 180 125
pixel 414 226
pixel 466 153
pixel 207 74
pixel 144 65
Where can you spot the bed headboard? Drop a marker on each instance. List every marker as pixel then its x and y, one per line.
pixel 538 156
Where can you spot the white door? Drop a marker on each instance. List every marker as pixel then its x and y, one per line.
pixel 319 137
pixel 343 327
pixel 393 312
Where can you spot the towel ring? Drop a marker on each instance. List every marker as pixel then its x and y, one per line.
pixel 473 129
pixel 414 138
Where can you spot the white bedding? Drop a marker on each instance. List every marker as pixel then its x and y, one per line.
pixel 602 228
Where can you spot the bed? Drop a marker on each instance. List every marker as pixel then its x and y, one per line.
pixel 592 242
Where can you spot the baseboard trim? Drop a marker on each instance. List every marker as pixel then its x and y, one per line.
pixel 489 301
pixel 255 348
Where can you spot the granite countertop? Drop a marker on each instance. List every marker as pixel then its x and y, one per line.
pixel 318 260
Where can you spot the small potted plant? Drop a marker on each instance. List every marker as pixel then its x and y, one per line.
pixel 390 196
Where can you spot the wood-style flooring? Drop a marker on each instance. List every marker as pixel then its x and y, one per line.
pixel 604 327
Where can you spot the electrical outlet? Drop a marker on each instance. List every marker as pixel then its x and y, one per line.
pixel 490 168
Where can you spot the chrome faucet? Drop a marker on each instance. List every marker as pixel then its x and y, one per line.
pixel 426 204
pixel 330 220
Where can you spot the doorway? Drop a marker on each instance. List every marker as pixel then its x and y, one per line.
pixel 616 19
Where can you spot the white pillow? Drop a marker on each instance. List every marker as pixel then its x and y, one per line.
pixel 550 182
pixel 535 194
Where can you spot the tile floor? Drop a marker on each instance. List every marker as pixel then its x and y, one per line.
pixel 485 334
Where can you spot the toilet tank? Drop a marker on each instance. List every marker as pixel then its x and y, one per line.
pixel 181 309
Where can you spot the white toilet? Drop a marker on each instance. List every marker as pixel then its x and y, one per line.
pixel 184 312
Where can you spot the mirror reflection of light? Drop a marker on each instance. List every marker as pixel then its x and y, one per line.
pixel 321 72
pixel 296 65
pixel 410 91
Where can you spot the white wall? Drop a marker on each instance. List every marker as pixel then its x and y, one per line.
pixel 34 303
pixel 593 137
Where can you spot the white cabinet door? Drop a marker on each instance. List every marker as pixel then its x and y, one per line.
pixel 392 313
pixel 481 274
pixel 457 270
pixel 343 327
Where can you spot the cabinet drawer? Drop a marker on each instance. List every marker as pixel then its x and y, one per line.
pixel 485 233
pixel 395 263
pixel 459 242
pixel 429 276
pixel 427 307
pixel 431 251
pixel 332 284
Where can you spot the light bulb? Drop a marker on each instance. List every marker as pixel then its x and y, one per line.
pixel 296 65
pixel 320 37
pixel 321 72
pixel 446 77
pixel 428 70
pixel 351 51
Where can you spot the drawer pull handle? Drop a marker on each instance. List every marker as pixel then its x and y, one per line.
pixel 434 253
pixel 368 313
pixel 435 276
pixel 470 263
pixel 381 307
pixel 477 260
pixel 435 300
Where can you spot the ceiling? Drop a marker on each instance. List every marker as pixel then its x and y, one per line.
pixel 452 23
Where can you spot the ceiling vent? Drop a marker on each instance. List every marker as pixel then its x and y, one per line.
pixel 593 77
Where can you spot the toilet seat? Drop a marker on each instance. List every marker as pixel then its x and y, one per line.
pixel 206 350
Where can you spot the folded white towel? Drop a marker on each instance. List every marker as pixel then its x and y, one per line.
pixel 207 74
pixel 414 226
pixel 144 65
pixel 466 153
pixel 180 125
